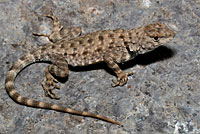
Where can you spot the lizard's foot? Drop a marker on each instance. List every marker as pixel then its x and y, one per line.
pixel 122 79
pixel 56 23
pixel 58 32
pixel 48 84
pixel 57 27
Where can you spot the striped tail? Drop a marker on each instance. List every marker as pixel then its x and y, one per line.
pixel 10 88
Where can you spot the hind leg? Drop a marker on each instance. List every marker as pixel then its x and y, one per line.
pixel 58 32
pixel 59 69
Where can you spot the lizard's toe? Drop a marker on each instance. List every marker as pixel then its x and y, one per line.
pixel 49 84
pixel 122 79
pixel 115 83
pixel 52 94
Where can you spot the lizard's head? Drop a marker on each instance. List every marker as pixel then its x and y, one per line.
pixel 154 35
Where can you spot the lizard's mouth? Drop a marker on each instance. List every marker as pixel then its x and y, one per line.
pixel 145 49
pixel 165 40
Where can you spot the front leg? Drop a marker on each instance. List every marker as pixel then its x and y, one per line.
pixel 122 77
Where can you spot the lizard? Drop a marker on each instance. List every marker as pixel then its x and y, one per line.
pixel 109 46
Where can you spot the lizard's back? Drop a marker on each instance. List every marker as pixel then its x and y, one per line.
pixel 90 48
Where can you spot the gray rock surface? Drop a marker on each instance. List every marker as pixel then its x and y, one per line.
pixel 163 96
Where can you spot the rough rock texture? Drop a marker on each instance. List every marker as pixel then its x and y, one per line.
pixel 162 97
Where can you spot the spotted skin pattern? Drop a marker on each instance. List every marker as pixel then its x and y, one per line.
pixel 68 46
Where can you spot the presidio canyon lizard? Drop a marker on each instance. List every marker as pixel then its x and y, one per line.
pixel 110 46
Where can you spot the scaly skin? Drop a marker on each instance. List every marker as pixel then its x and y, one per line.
pixel 110 46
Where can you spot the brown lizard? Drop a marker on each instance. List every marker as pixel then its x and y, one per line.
pixel 110 46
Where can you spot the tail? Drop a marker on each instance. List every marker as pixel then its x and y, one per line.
pixel 10 88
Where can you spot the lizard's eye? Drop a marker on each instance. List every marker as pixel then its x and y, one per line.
pixel 155 38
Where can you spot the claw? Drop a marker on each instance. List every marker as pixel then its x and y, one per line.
pixel 115 83
pixel 55 80
pixel 50 93
pixel 122 83
pixel 122 79
pixel 48 84
pixel 53 95
pixel 56 86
